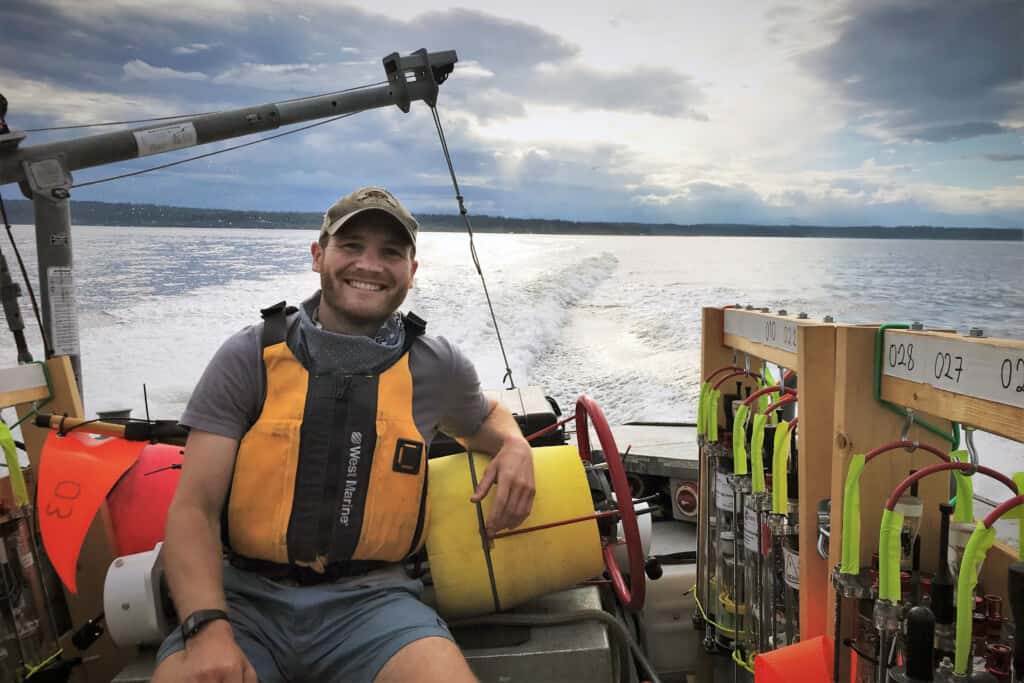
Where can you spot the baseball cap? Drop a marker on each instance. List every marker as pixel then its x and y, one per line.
pixel 368 199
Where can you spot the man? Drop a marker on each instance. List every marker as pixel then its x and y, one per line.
pixel 308 438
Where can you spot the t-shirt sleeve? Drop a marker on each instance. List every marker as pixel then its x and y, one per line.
pixel 465 405
pixel 226 401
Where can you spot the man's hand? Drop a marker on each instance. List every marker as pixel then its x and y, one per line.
pixel 213 656
pixel 512 470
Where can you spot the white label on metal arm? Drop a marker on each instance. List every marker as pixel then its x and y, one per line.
pixel 791 560
pixel 750 528
pixel 776 332
pixel 165 138
pixel 723 492
pixel 963 366
pixel 60 285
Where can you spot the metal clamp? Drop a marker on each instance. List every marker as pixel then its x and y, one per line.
pixel 969 440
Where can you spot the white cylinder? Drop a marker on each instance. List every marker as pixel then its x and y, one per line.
pixel 132 600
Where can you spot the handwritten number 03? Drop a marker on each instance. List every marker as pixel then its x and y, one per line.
pixel 66 492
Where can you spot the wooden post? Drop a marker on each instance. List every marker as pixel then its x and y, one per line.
pixel 816 383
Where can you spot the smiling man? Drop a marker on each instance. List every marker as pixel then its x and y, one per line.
pixel 305 476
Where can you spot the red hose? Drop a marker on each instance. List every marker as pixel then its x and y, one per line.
pixel 943 466
pixel 788 398
pixel 720 371
pixel 1002 510
pixel 893 445
pixel 736 374
pixel 767 390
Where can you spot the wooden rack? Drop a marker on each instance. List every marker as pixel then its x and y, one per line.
pixel 943 378
pixel 807 348
pixel 22 387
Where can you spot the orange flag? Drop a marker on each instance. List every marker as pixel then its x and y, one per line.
pixel 76 471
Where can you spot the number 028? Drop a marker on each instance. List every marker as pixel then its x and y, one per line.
pixel 902 355
pixel 1011 374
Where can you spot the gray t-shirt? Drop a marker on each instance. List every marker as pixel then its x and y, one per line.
pixel 228 398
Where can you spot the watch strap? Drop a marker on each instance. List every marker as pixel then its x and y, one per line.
pixel 194 622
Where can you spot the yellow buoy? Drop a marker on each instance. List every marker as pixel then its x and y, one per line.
pixel 523 566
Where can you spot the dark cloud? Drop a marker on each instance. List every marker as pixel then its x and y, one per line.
pixel 933 71
pixel 958 131
pixel 996 156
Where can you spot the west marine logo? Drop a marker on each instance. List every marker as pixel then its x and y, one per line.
pixel 352 477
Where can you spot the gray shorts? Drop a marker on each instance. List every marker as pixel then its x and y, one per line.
pixel 343 631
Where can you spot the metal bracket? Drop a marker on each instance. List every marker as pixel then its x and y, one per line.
pixel 433 67
pixel 48 177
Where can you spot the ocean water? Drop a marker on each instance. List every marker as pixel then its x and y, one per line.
pixel 616 317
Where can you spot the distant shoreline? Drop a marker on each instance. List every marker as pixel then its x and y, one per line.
pixel 154 215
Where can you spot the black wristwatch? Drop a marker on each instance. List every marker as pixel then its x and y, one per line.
pixel 194 622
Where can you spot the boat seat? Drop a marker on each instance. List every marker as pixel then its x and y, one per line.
pixel 571 652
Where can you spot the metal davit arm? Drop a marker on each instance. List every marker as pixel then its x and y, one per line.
pixel 428 70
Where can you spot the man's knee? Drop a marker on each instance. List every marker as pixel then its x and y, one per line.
pixel 427 659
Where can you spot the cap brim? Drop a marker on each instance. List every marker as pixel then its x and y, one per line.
pixel 337 225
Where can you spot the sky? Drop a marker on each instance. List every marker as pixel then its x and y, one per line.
pixel 824 113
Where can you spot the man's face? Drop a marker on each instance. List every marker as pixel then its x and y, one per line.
pixel 365 271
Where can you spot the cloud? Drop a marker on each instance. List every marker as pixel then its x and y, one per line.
pixel 34 98
pixel 190 49
pixel 146 72
pixel 929 71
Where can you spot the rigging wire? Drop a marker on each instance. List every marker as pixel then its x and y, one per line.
pixel 116 123
pixel 187 116
pixel 472 246
pixel 213 153
pixel 47 349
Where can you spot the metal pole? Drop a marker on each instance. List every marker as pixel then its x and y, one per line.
pixel 56 280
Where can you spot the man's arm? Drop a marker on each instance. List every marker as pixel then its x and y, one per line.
pixel 511 468
pixel 192 555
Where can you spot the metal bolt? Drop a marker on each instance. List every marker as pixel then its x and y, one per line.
pixel 765 310
pixel 976 332
pixel 916 326
pixel 801 316
pixel 782 311
pixel 829 319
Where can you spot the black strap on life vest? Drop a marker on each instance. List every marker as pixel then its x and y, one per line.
pixel 275 323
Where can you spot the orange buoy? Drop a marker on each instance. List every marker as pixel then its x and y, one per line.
pixel 138 502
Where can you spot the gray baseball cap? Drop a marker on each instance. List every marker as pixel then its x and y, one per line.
pixel 368 199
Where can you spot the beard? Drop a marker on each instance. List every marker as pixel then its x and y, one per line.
pixel 359 308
